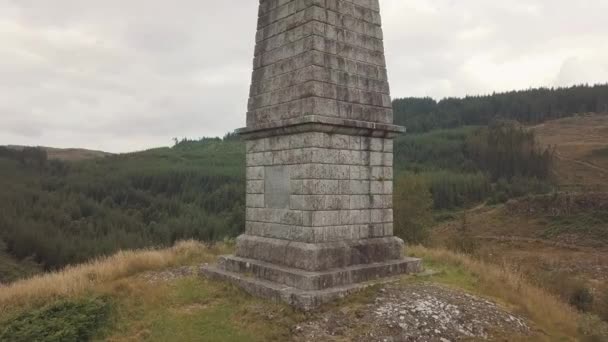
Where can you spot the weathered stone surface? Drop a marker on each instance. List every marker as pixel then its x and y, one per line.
pixel 319 211
pixel 305 300
pixel 319 256
pixel 319 234
pixel 319 58
pixel 306 280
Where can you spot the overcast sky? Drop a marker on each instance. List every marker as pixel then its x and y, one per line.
pixel 125 75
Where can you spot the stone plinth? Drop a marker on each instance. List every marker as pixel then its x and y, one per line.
pixel 319 220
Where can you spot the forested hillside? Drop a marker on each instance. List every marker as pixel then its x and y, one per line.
pixel 63 212
pixel 526 106
pixel 67 212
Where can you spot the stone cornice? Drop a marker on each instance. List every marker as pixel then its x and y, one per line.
pixel 317 123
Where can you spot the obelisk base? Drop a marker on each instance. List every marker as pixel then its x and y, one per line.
pixel 305 281
pixel 285 284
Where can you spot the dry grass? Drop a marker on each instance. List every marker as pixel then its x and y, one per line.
pixel 76 280
pixel 577 141
pixel 503 282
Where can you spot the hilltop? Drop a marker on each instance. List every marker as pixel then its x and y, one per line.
pixel 67 154
pixel 157 295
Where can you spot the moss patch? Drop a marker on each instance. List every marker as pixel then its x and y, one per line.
pixel 68 320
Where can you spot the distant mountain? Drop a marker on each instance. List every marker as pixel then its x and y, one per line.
pixel 68 154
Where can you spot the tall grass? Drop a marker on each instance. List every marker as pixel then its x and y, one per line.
pixel 79 279
pixel 510 286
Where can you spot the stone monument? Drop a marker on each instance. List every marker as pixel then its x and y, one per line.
pixel 319 136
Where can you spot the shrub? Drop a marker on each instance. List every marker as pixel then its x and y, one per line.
pixel 581 298
pixel 77 320
pixel 413 206
pixel 464 241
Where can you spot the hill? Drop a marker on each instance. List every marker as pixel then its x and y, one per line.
pixel 67 154
pixel 557 241
pixel 156 295
pixel 581 146
pixel 530 106
pixel 64 212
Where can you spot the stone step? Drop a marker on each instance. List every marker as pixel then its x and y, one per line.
pixel 311 281
pixel 300 299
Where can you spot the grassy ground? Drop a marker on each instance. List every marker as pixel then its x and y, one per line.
pixel 565 255
pixel 194 309
pixel 580 143
pixel 553 319
pixel 187 309
pixel 126 306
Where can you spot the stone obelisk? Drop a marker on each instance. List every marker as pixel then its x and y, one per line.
pixel 319 135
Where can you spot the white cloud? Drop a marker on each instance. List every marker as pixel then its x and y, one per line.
pixel 125 75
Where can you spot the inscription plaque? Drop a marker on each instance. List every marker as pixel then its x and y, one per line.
pixel 276 187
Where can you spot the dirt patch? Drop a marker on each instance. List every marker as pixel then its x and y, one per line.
pixel 190 309
pixel 416 312
pixel 169 274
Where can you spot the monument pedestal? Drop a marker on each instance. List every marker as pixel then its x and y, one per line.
pixel 305 290
pixel 319 140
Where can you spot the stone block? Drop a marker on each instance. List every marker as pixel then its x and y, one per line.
pixel 388 145
pixel 259 159
pixel 381 215
pixel 255 200
pixel 320 187
pixel 381 159
pixel 271 215
pixel 258 145
pixel 255 186
pixel 360 172
pixel 321 171
pixel 355 217
pixel 280 231
pixel 354 187
pixel 381 173
pixel 381 187
pixel 319 256
pixel 255 173
pixel 381 201
pixel 319 202
pixel 326 218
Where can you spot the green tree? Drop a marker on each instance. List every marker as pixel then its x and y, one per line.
pixel 413 206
